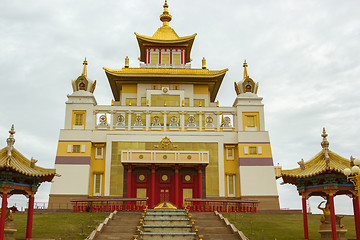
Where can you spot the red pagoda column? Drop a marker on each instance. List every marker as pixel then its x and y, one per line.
pixel 332 214
pixel 177 185
pixel 200 182
pixel 3 213
pixel 305 220
pixel 357 216
pixel 30 216
pixel 152 196
pixel 129 183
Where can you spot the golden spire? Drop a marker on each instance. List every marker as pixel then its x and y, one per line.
pixel 84 69
pixel 127 62
pixel 10 143
pixel 165 17
pixel 245 69
pixel 203 63
pixel 324 143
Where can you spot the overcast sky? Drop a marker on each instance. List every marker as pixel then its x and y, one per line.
pixel 305 55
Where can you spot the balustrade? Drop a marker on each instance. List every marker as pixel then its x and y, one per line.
pixel 165 118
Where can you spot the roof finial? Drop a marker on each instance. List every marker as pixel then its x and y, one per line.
pixel 10 143
pixel 245 69
pixel 324 143
pixel 84 73
pixel 165 17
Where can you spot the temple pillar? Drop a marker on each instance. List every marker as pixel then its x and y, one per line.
pixel 332 214
pixel 152 196
pixel 356 216
pixel 200 182
pixel 305 220
pixel 177 185
pixel 129 182
pixel 3 213
pixel 30 216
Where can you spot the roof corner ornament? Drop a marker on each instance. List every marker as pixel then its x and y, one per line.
pixel 32 162
pixel 352 159
pixel 246 75
pixel 10 143
pixel 165 17
pixel 84 72
pixel 301 164
pixel 325 146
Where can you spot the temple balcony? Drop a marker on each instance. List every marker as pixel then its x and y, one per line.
pixel 142 118
pixel 184 66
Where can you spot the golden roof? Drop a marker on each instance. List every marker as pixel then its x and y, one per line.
pixel 211 78
pixel 13 160
pixel 325 161
pixel 19 163
pixel 318 165
pixel 165 36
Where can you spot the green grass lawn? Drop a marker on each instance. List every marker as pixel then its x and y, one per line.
pixel 282 225
pixel 59 225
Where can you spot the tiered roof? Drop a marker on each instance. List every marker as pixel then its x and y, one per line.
pixel 12 160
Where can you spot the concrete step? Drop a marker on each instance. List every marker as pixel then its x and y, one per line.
pixel 122 226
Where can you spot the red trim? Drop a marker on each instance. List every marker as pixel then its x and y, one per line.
pixel 333 219
pixel 159 55
pixel 152 192
pixel 170 55
pixel 177 185
pixel 3 213
pixel 129 182
pixel 30 217
pixel 305 220
pixel 182 56
pixel 148 54
pixel 200 183
pixel 357 216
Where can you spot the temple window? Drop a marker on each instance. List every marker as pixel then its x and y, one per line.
pixel 252 151
pixel 187 102
pixel 78 119
pixel 176 59
pixel 143 101
pixel 231 185
pixel 165 58
pixel 230 153
pixel 175 86
pixel 98 152
pixel 76 148
pixel 250 121
pixel 165 100
pixel 97 184
pixel 154 58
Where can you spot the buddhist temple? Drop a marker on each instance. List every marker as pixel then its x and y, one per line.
pixel 165 136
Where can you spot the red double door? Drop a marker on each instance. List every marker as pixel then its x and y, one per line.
pixel 166 187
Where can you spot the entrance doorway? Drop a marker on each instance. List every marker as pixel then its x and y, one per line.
pixel 164 195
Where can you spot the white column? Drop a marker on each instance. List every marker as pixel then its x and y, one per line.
pixel 129 120
pixel 200 120
pixel 182 121
pixel 218 121
pixel 147 120
pixel 165 120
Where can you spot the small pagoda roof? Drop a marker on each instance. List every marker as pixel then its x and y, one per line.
pixel 118 77
pixel 12 160
pixel 324 162
pixel 165 36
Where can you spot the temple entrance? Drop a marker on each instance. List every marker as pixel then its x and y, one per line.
pixel 164 183
pixel 164 195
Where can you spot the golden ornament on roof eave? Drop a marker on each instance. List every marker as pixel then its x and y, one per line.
pixel 83 82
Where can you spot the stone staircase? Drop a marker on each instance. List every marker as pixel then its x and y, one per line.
pixel 211 227
pixel 122 226
pixel 166 224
